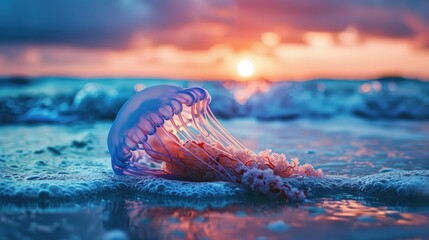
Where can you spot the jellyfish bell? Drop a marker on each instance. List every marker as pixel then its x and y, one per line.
pixel 171 132
pixel 164 128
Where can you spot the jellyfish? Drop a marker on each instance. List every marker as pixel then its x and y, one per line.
pixel 171 132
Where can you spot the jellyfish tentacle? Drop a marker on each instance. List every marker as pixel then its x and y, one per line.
pixel 205 122
pixel 185 126
pixel 194 154
pixel 183 131
pixel 219 135
pixel 206 125
pixel 196 113
pixel 223 130
pixel 163 145
pixel 229 138
pixel 151 150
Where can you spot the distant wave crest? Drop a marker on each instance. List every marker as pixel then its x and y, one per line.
pixel 83 100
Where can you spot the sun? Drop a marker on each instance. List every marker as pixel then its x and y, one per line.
pixel 245 68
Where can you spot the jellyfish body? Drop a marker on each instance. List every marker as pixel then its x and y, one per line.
pixel 171 132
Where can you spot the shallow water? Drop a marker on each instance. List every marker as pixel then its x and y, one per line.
pixel 56 181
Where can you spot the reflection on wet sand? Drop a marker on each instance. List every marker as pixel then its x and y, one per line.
pixel 328 218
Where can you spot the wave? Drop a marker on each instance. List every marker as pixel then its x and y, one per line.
pixel 63 100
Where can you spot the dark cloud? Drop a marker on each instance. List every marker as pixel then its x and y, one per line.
pixel 88 23
pixel 200 24
pixel 383 18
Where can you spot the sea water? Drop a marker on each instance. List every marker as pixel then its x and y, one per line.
pixel 56 179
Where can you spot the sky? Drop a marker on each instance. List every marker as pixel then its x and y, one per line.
pixel 195 39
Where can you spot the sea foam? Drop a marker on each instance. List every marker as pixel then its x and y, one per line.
pixel 395 184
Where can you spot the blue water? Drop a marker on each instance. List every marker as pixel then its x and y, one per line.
pixel 56 180
pixel 63 100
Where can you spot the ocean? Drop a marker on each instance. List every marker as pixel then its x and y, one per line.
pixel 370 138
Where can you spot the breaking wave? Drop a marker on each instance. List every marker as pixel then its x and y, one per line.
pixel 62 100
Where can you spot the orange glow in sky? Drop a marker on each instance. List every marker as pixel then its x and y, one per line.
pixel 320 57
pixel 282 40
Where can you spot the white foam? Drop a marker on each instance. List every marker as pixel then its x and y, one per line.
pixel 396 184
pixel 54 186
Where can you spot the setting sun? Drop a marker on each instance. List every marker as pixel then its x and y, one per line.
pixel 245 68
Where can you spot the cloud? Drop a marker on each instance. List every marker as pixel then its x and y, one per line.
pixel 378 18
pixel 89 23
pixel 190 24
